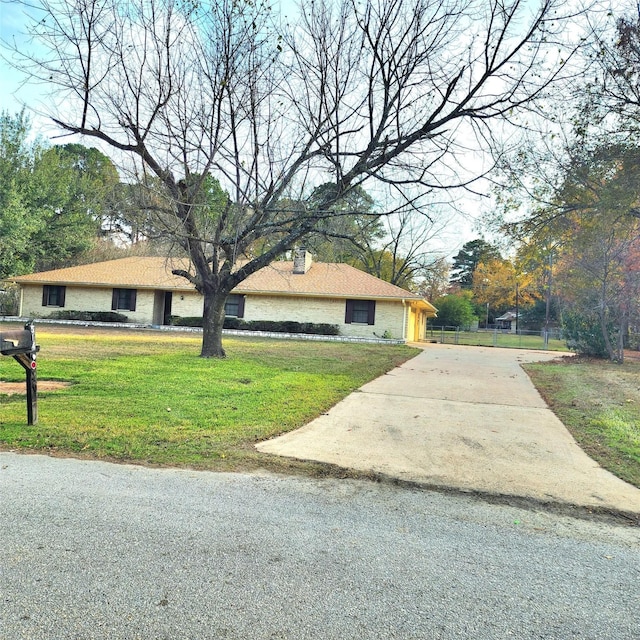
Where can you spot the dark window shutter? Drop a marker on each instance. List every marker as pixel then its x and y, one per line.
pixel 132 304
pixel 114 300
pixel 45 295
pixel 240 306
pixel 62 291
pixel 371 319
pixel 348 316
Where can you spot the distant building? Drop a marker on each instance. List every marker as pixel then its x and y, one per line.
pixel 507 321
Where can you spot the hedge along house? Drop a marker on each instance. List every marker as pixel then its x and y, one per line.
pixel 145 290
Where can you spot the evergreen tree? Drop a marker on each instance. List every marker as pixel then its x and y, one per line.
pixel 467 260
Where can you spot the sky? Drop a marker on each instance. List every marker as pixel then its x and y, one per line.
pixel 14 94
pixel 11 23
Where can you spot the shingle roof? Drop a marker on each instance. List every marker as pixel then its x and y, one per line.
pixel 322 279
pixel 138 272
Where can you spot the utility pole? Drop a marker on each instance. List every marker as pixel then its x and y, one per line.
pixel 517 304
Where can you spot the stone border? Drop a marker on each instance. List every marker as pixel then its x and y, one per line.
pixel 232 332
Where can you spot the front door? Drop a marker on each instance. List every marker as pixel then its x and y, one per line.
pixel 162 307
pixel 166 316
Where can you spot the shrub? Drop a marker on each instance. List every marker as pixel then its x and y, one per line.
pixel 290 326
pixel 9 300
pixel 187 321
pixel 275 326
pixel 325 329
pixel 454 310
pixel 584 334
pixel 89 316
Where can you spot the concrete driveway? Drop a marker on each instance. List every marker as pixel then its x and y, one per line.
pixel 466 418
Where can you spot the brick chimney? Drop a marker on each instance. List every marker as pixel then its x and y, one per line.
pixel 301 261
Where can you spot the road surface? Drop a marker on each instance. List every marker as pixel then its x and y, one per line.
pixel 91 550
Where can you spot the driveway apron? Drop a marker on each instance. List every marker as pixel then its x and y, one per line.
pixel 466 418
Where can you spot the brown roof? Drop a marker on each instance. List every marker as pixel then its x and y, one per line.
pixel 322 279
pixel 139 272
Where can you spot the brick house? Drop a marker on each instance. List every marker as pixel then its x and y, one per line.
pixel 145 290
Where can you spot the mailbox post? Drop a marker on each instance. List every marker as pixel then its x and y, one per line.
pixel 21 345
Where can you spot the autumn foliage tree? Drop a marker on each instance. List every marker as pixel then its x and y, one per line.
pixel 503 285
pixel 590 220
pixel 599 276
pixel 466 261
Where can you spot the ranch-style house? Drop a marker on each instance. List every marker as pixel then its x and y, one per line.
pixel 145 290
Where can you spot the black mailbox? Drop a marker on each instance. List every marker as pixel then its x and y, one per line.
pixel 14 342
pixel 22 346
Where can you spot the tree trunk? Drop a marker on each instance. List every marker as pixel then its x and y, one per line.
pixel 212 324
pixel 622 333
pixel 606 337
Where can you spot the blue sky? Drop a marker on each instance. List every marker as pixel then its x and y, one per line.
pixel 12 93
pixel 11 23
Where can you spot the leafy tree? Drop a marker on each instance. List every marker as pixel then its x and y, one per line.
pixel 138 213
pixel 95 188
pixel 599 274
pixel 384 92
pixel 583 333
pixel 590 223
pixel 17 225
pixel 538 261
pixel 502 285
pixel 68 189
pixel 53 200
pixel 454 310
pixel 541 315
pixel 16 229
pixel 586 205
pixel 468 258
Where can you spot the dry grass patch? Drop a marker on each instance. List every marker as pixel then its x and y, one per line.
pixel 599 402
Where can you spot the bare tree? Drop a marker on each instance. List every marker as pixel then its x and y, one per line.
pixel 388 91
pixel 434 278
pixel 403 254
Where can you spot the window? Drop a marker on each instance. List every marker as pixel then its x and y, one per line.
pixel 360 312
pixel 53 295
pixel 234 306
pixel 124 299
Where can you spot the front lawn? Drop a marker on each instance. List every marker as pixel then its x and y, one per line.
pixel 599 402
pixel 147 397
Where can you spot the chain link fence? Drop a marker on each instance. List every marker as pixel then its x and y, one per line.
pixel 547 340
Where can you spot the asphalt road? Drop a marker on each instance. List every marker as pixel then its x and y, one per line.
pixel 94 550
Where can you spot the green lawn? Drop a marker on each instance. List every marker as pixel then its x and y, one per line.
pixel 599 402
pixel 147 397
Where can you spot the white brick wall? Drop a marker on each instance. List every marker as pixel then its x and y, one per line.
pixel 389 315
pixel 187 304
pixel 86 299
